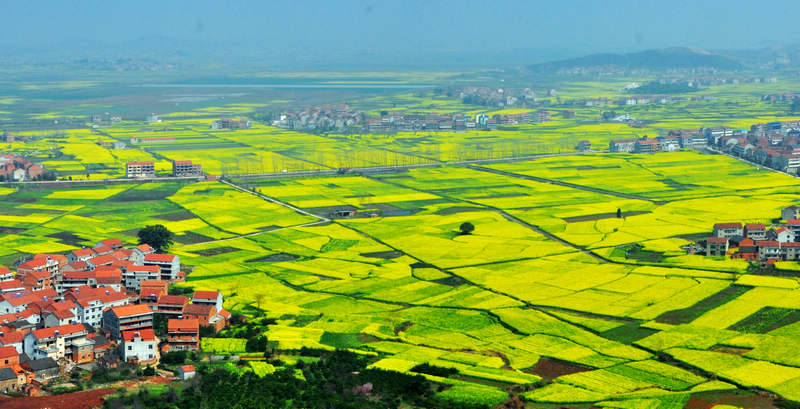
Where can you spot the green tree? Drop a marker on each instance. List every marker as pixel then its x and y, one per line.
pixel 157 236
pixel 466 228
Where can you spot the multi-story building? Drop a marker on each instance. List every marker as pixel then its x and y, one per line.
pixel 47 264
pixel 183 334
pixel 171 305
pixel 132 276
pixel 139 346
pixel 65 341
pixel 91 302
pixel 728 230
pixel 790 213
pixel 186 168
pixel 622 145
pixel 138 253
pixel 170 265
pixel 212 298
pixel 135 170
pixel 755 231
pixel 207 316
pixel 229 123
pixel 768 249
pixel 716 246
pixel 125 318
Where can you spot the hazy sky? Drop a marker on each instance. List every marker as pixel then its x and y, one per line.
pixel 566 27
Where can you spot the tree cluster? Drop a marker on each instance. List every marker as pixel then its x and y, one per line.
pixel 340 379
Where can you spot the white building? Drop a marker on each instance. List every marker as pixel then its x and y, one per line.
pixel 139 346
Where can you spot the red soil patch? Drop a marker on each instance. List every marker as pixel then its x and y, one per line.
pixel 160 380
pixel 742 399
pixel 77 400
pixel 550 368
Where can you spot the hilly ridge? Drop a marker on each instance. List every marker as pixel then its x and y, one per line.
pixel 659 59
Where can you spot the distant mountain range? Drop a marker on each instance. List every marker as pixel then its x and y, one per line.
pixel 661 59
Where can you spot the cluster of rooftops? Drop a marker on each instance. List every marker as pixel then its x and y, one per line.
pixel 96 306
pixel 779 241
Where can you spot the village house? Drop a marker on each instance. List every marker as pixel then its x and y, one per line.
pixel 755 231
pixel 207 316
pixel 80 254
pixel 62 342
pixel 791 212
pixel 6 274
pixel 138 253
pixel 58 317
pixel 9 357
pixel 151 290
pixel 46 264
pixel 716 246
pixel 133 276
pixel 768 249
pixel 8 380
pixel 728 230
pixel 91 302
pixel 11 286
pixel 128 317
pixel 584 145
pixel 10 337
pixel 139 170
pixel 43 369
pixel 622 145
pixel 213 298
pixel 183 334
pixel 171 305
pixel 791 224
pixel 48 312
pixel 185 168
pixel 781 235
pixel 170 264
pixel 186 372
pixel 139 346
pixel 229 123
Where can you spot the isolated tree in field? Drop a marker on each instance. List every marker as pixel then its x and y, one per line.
pixel 466 228
pixel 259 297
pixel 619 213
pixel 157 236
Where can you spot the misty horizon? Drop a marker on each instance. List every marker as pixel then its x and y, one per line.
pixel 363 32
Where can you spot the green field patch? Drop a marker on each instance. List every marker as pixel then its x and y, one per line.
pixel 385 255
pixel 628 333
pixel 188 237
pixel 68 238
pixel 223 345
pixel 767 319
pixel 215 251
pixel 727 349
pixel 451 281
pixel 11 230
pixel 274 258
pixel 337 245
pixel 687 315
pixel 340 340
pixel 637 252
pixel 174 217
